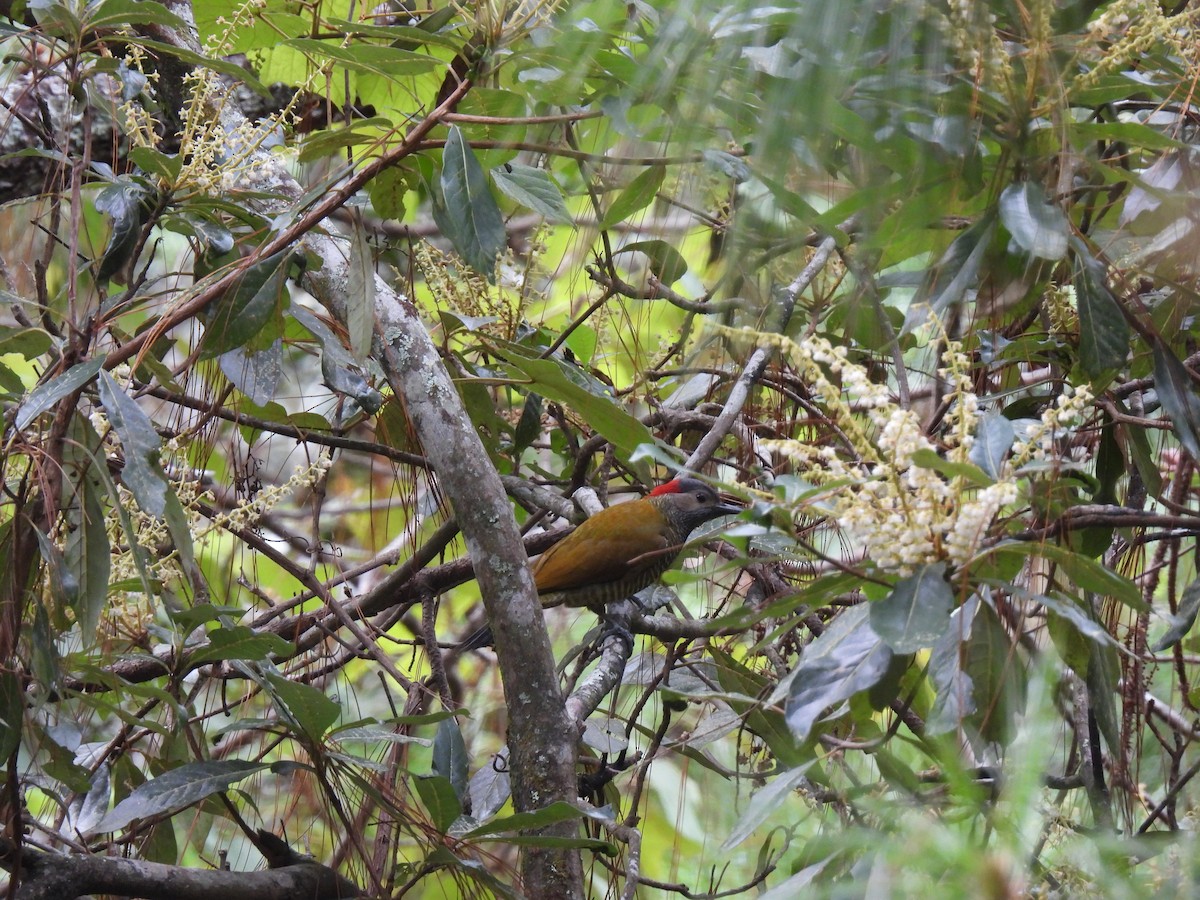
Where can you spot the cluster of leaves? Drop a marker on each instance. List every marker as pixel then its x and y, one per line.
pixel 1008 182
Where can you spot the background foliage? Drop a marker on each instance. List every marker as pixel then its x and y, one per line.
pixel 917 281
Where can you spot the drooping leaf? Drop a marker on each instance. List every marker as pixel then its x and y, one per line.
pixel 969 472
pixel 667 263
pixel 386 62
pixel 1103 331
pixel 1037 226
pixel 524 821
pixel 947 283
pixel 44 396
pixel 915 614
pixel 849 657
pixel 601 412
pixel 176 790
pixel 636 196
pixel 1178 397
pixel 255 373
pixel 12 712
pixel 243 311
pixel 993 440
pixel 533 188
pixel 86 549
pixel 125 202
pixel 1087 573
pixel 1183 620
pixel 142 474
pixel 765 801
pixel 92 807
pixel 440 800
pixel 360 292
pixel 954 698
pixel 469 216
pixel 240 642
pixel 450 756
pixel 338 369
pixel 307 707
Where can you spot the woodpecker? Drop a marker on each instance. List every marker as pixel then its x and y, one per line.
pixel 620 550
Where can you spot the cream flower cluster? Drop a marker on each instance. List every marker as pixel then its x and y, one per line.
pixel 897 513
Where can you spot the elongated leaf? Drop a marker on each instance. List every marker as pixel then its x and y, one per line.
pixel 667 263
pixel 470 216
pixel 533 188
pixel 142 474
pixel 969 472
pixel 121 13
pixel 177 789
pixel 93 806
pixel 764 802
pixel 538 818
pixel 360 293
pixel 1183 620
pixel 954 700
pixel 1103 331
pixel 86 550
pixel 440 800
pixel 1178 397
pixel 601 412
pixel 915 614
pixel 311 711
pixel 848 658
pixel 239 642
pixel 947 283
pixel 255 373
pixel 387 62
pixel 12 712
pixel 44 396
pixel 1037 226
pixel 993 441
pixel 1086 573
pixel 245 310
pixel 450 756
pixel 636 196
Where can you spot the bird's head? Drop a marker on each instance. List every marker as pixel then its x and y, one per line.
pixel 691 502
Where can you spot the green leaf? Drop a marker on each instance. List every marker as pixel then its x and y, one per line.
pixel 1086 573
pixel 470 216
pixel 1182 621
pixel 243 311
pixel 142 473
pixel 956 272
pixel 1177 394
pixel 972 474
pixel 124 201
pixel 391 63
pixel 240 642
pixel 533 188
pixel 1103 331
pixel 915 614
pixel 450 756
pixel 993 441
pixel 636 196
pixel 526 821
pixel 339 370
pixel 555 383
pixel 849 657
pixel 667 263
pixel 360 292
pixel 228 68
pixel 27 342
pixel 765 801
pixel 177 789
pixel 1037 226
pixel 440 800
pixel 308 708
pixel 12 712
pixel 255 373
pixel 86 550
pixel 44 396
pixel 120 13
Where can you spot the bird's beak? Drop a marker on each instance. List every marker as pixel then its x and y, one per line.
pixel 729 506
